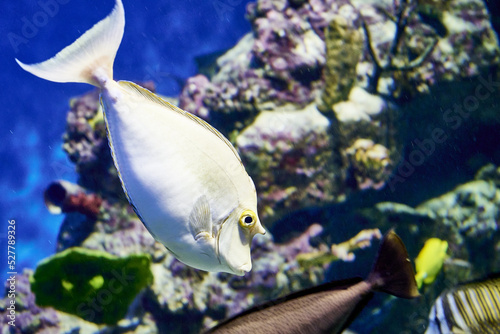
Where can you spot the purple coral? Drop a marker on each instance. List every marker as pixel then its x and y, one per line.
pixel 192 95
pixel 29 318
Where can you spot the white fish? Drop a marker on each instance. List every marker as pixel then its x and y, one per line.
pixel 184 179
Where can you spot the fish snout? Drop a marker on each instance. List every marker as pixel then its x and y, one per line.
pixel 246 267
pixel 241 270
pixel 257 229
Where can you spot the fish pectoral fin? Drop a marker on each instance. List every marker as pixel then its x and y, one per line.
pixel 207 237
pixel 200 221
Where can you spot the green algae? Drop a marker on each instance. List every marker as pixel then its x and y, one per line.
pixel 91 284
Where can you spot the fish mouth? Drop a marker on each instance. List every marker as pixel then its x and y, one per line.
pixel 244 268
pixel 240 270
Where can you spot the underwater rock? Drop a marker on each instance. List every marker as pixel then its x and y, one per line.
pixel 86 145
pixel 93 285
pixel 343 251
pixel 466 217
pixel 289 154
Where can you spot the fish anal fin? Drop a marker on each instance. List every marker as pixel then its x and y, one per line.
pixel 393 272
pixel 200 220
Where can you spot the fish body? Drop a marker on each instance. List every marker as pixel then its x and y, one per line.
pixel 330 307
pixel 472 308
pixel 183 177
pixel 430 260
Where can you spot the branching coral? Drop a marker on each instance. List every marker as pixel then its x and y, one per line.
pixel 404 12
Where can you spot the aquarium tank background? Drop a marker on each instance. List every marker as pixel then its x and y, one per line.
pixel 352 118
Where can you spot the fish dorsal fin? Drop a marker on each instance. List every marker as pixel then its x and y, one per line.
pixel 200 221
pixel 156 99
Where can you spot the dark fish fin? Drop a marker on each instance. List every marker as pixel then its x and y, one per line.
pixel 393 272
pixel 330 286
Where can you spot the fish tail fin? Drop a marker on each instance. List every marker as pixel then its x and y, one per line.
pixel 90 58
pixel 393 272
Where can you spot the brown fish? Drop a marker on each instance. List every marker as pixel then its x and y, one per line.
pixel 330 307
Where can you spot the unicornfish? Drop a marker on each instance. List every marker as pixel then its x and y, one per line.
pixel 329 308
pixel 184 179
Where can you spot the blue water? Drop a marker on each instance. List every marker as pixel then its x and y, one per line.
pixel 160 43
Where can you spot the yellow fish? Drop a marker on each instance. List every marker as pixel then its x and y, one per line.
pixel 430 260
pixel 184 178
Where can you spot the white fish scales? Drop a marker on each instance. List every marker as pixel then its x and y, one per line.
pixel 184 179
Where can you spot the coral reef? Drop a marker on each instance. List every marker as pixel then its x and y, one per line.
pixel 349 57
pixel 287 52
pixel 356 61
pixel 289 154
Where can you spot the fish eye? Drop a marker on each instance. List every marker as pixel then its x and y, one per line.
pixel 248 219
